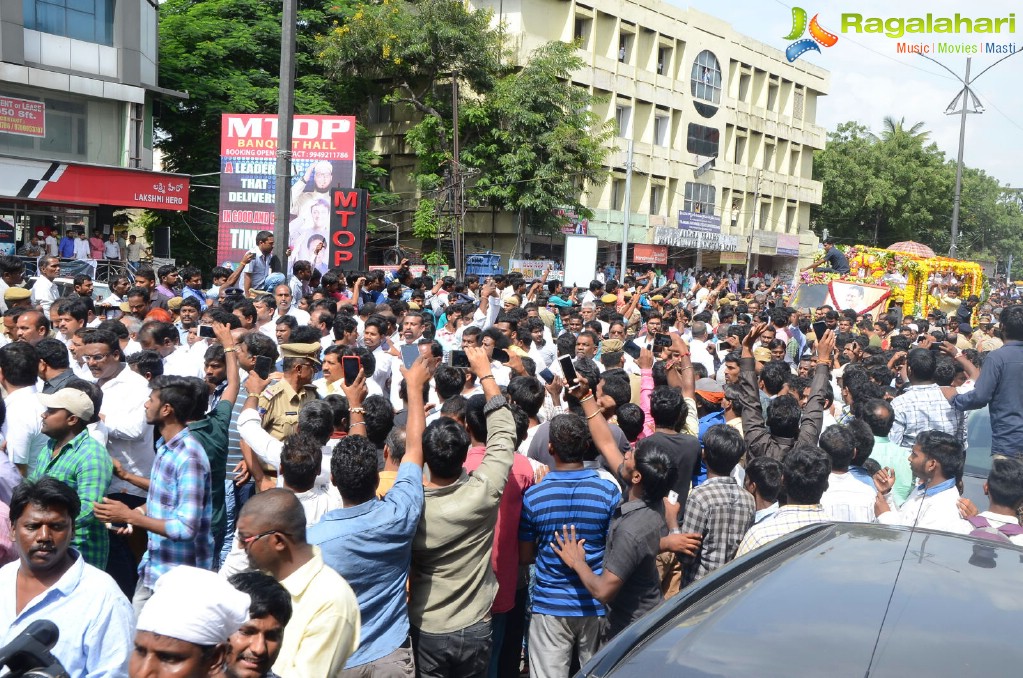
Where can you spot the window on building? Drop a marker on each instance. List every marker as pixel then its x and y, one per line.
pixel 744 81
pixel 663 60
pixel 797 104
pixel 582 31
pixel 706 83
pixel 662 127
pixel 765 215
pixel 769 157
pixel 625 47
pixel 740 149
pixel 794 162
pixel 617 194
pixel 88 20
pixel 699 198
pixel 772 96
pixel 791 219
pixel 65 132
pixel 623 114
pixel 702 140
pixel 656 199
pixel 137 122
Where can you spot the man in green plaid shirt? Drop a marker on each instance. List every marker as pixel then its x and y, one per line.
pixel 76 458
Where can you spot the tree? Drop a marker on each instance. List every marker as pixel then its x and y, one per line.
pixel 537 144
pixel 226 55
pixel 528 133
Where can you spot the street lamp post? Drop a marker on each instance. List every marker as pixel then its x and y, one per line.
pixel 968 99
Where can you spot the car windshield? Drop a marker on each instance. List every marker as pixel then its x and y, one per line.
pixel 978 439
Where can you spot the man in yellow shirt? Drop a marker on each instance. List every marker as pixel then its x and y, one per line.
pixel 325 622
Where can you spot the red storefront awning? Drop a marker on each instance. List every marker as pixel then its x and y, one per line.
pixel 62 182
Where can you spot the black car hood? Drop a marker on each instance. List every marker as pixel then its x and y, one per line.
pixel 824 601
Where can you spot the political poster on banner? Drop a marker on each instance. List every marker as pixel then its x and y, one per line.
pixel 574 224
pixel 8 243
pixel 323 159
pixel 533 269
pixel 696 240
pixel 348 216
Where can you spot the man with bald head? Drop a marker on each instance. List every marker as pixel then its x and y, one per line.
pixel 325 623
pixel 32 327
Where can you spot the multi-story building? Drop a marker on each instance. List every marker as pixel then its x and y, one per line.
pixel 722 130
pixel 78 82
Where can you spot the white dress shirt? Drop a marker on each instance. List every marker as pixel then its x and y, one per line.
pixel 182 363
pixel 848 499
pixel 936 508
pixel 22 427
pixel 129 437
pixel 44 293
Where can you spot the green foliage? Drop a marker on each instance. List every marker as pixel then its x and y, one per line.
pixel 434 258
pixel 425 224
pixel 895 186
pixel 529 141
pixel 536 142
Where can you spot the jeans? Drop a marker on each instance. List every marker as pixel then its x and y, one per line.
pixel 398 664
pixel 235 497
pixel 270 282
pixel 141 597
pixel 459 654
pixel 509 629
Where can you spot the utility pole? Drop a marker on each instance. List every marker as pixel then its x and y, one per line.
pixel 628 211
pixel 1008 270
pixel 753 225
pixel 285 122
pixel 456 181
pixel 969 98
pixel 959 163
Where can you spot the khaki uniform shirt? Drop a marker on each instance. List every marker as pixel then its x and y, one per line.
pixel 279 405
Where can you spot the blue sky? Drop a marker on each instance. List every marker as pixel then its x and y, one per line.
pixel 870 80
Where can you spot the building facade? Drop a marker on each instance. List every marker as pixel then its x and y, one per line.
pixel 78 81
pixel 723 131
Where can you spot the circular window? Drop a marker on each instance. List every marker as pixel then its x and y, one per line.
pixel 705 82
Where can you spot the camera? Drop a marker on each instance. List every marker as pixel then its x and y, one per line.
pixel 29 653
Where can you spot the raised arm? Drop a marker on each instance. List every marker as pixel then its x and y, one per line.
pixel 415 378
pixel 813 413
pixel 234 382
pixel 599 430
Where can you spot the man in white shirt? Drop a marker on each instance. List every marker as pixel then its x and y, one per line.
pixel 127 435
pixel 22 428
pixel 283 298
pixel 111 250
pixel 847 499
pixel 82 249
pixel 1004 487
pixel 51 244
pixel 698 347
pixel 937 460
pixel 411 332
pixel 165 340
pixel 44 291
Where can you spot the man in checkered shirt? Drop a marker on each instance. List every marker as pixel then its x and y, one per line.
pixel 805 473
pixel 923 406
pixel 719 509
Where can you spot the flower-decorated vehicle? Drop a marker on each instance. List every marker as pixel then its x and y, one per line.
pixel 882 279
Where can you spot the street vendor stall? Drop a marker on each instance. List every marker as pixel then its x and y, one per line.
pixel 887 279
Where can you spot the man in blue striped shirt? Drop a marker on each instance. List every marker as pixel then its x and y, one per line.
pixel 566 618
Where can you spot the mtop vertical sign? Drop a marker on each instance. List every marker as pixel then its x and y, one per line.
pixel 348 229
pixel 323 160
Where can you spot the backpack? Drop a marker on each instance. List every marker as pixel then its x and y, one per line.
pixel 983 529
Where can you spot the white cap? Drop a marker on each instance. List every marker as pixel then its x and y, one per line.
pixel 196 606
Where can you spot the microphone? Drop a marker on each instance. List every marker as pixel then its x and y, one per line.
pixel 30 650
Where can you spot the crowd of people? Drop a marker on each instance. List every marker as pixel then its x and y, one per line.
pixel 375 474
pixel 76 243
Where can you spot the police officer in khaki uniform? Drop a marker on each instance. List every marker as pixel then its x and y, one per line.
pixel 18 297
pixel 280 402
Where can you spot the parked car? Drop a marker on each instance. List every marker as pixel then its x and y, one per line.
pixel 837 600
pixel 978 456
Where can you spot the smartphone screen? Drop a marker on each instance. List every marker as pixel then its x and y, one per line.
pixel 459 359
pixel 263 366
pixel 409 353
pixel 662 341
pixel 547 376
pixel 351 366
pixel 819 328
pixel 568 369
pixel 206 331
pixel 500 355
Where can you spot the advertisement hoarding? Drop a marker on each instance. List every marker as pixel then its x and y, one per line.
pixel 347 249
pixel 23 117
pixel 533 269
pixel 650 254
pixel 697 221
pixel 323 159
pixel 696 240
